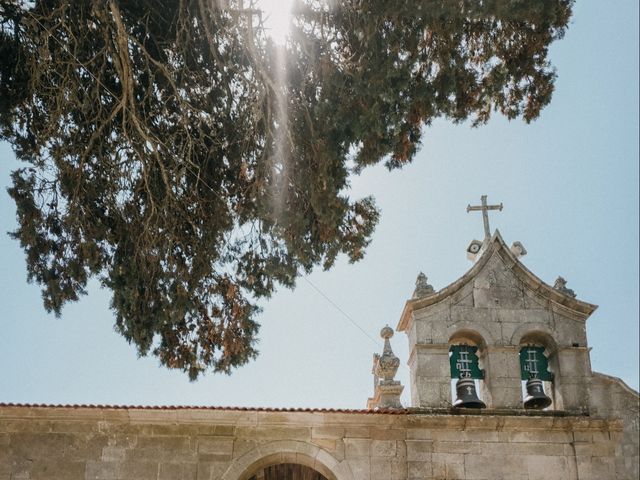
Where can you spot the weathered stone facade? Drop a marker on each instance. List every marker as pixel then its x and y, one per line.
pixel 498 306
pixel 590 430
pixel 167 444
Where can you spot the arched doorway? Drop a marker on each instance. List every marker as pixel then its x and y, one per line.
pixel 287 471
pixel 253 462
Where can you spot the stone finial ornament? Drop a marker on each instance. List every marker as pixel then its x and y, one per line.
pixel 387 391
pixel 422 288
pixel 474 249
pixel 518 249
pixel 388 363
pixel 561 286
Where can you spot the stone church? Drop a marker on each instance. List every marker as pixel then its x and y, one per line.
pixel 501 388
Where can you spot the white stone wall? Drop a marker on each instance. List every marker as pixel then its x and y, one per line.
pixel 611 397
pixel 108 444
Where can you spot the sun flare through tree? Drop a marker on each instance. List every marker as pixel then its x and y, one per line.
pixel 192 165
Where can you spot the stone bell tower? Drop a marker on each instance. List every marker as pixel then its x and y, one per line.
pixel 515 326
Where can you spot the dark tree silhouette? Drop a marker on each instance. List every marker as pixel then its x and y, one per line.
pixel 189 164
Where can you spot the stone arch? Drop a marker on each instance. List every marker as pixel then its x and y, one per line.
pixel 288 451
pixel 475 335
pixel 535 333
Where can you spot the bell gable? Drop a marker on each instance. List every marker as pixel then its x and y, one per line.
pixel 498 281
pixel 500 307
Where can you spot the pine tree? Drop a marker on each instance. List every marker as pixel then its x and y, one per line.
pixel 192 166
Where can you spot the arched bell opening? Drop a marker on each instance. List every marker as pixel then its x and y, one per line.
pixel 287 471
pixel 467 349
pixel 538 367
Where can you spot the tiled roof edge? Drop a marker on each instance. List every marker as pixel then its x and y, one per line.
pixel 389 411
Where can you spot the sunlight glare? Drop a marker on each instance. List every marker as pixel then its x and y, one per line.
pixel 277 17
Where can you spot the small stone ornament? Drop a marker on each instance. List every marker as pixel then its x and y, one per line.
pixel 561 286
pixel 388 363
pixel 387 391
pixel 518 249
pixel 473 250
pixel 422 288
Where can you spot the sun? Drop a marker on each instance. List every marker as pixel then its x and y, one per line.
pixel 276 17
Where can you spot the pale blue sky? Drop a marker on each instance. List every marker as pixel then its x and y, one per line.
pixel 569 185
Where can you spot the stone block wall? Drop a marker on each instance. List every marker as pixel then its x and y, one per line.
pixel 610 397
pixel 102 443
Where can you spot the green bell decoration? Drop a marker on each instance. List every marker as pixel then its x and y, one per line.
pixel 464 365
pixel 534 369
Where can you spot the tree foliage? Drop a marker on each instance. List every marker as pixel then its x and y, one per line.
pixel 176 154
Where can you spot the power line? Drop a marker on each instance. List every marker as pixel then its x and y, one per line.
pixel 344 314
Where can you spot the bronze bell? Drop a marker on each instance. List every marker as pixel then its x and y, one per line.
pixel 536 398
pixel 466 395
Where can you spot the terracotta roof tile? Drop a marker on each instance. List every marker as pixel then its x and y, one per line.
pixel 401 411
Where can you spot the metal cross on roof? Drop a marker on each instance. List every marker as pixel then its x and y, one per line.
pixel 485 215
